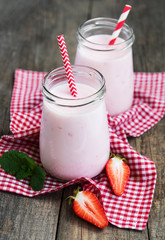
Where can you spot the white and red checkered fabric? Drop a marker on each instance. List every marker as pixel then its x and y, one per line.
pixel 131 210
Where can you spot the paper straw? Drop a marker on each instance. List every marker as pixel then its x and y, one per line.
pixel 67 65
pixel 120 24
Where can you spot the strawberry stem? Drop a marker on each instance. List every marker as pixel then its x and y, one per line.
pixel 75 192
pixel 119 157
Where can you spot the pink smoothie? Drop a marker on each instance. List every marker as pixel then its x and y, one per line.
pixel 117 68
pixel 74 141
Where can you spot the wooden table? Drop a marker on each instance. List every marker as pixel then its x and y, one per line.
pixel 28 31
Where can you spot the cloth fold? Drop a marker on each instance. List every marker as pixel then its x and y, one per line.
pixel 131 210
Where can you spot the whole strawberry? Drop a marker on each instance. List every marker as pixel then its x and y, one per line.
pixel 118 173
pixel 87 206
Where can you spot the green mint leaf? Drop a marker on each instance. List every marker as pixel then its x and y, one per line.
pixel 30 162
pixel 37 179
pixel 17 163
pixel 25 170
pixel 21 166
pixel 10 162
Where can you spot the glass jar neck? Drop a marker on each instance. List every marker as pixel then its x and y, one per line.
pixel 82 75
pixel 104 26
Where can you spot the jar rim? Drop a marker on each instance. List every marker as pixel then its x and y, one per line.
pixel 105 22
pixel 76 101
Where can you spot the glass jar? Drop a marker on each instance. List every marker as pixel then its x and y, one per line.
pixel 74 135
pixel 115 62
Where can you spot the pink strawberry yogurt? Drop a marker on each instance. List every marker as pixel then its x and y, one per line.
pixel 74 136
pixel 115 62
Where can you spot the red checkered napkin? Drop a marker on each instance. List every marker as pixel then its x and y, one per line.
pixel 148 106
pixel 131 210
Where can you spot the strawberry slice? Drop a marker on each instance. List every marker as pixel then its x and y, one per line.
pixel 87 206
pixel 118 173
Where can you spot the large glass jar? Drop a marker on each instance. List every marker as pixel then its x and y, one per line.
pixel 74 135
pixel 115 62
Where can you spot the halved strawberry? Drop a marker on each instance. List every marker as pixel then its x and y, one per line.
pixel 87 206
pixel 118 173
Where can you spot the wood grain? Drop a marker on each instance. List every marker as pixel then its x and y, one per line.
pixel 28 31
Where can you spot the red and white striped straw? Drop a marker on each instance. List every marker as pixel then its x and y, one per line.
pixel 67 65
pixel 120 24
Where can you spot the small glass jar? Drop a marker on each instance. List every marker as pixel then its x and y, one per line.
pixel 74 135
pixel 115 62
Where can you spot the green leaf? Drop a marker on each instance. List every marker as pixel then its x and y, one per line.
pixel 17 163
pixel 21 166
pixel 10 162
pixel 24 171
pixel 30 162
pixel 37 179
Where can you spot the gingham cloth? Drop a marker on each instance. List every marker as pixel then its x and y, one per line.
pixel 130 210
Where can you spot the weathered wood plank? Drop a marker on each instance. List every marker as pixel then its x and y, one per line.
pixel 25 29
pixel 156 223
pixel 29 218
pixel 28 33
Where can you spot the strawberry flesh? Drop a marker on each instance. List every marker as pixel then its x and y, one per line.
pixel 118 173
pixel 87 206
